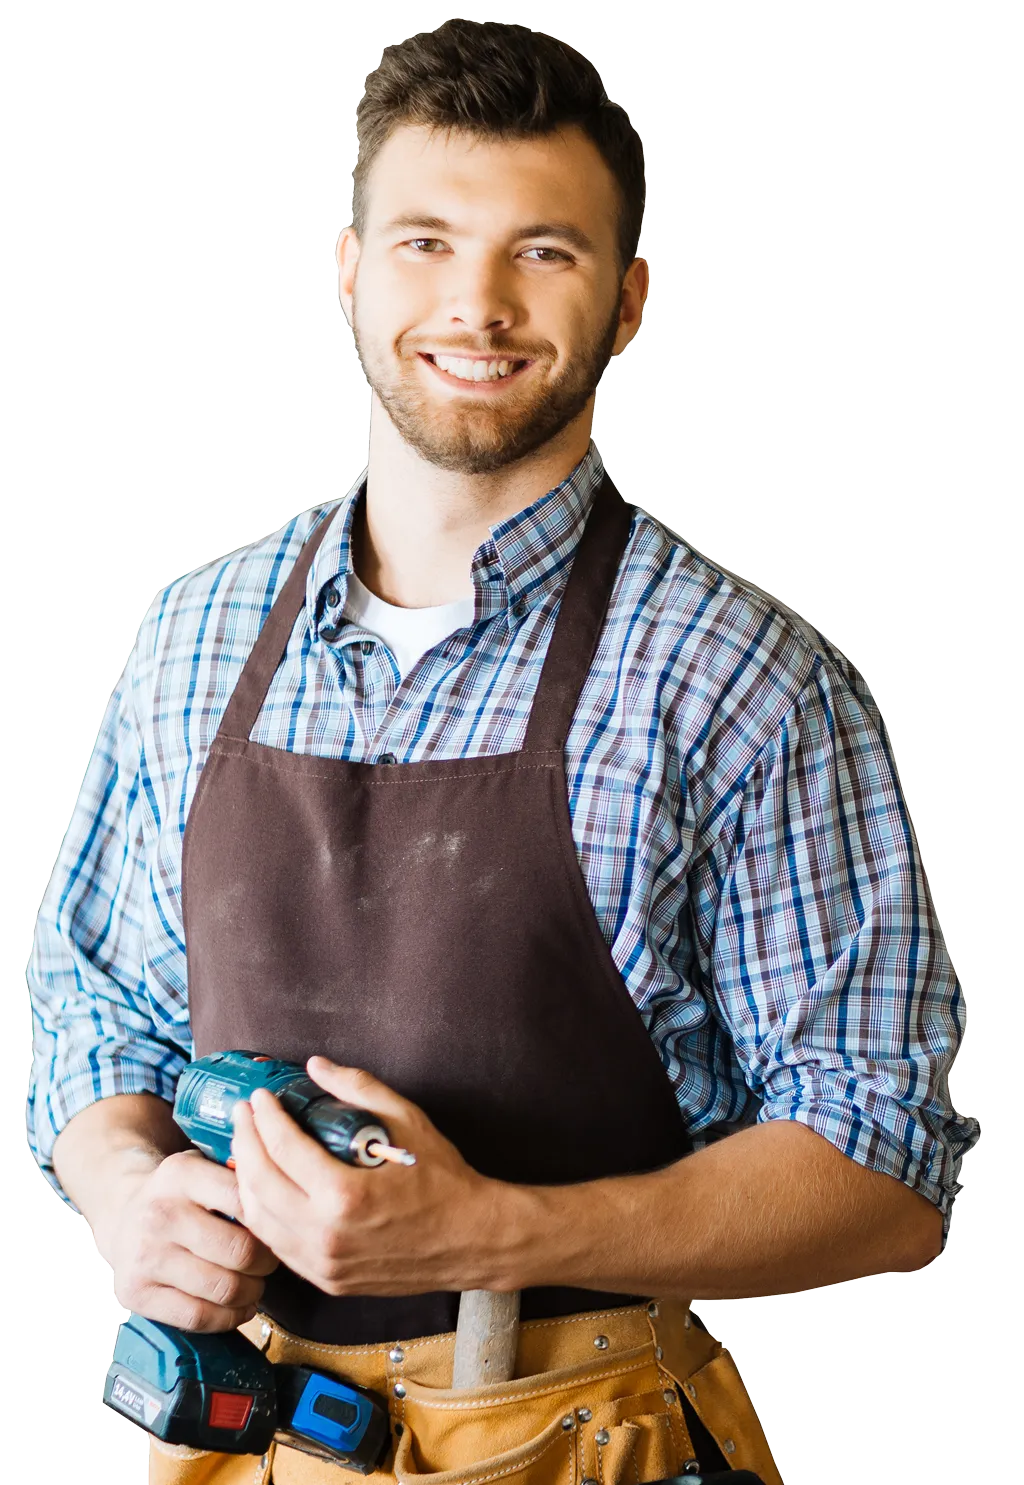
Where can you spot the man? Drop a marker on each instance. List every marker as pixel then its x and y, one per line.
pixel 579 860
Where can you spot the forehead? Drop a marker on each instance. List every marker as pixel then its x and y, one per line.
pixel 493 183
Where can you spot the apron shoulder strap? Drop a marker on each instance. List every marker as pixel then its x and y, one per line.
pixel 580 618
pixel 253 684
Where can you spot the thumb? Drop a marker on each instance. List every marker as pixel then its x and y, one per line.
pixel 353 1085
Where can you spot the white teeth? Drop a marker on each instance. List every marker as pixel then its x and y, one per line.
pixel 473 371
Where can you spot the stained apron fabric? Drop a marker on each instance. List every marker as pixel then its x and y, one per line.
pixel 601 1397
pixel 428 922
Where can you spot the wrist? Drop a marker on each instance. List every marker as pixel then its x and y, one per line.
pixel 530 1236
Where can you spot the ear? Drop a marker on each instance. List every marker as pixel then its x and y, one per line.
pixel 631 303
pixel 347 254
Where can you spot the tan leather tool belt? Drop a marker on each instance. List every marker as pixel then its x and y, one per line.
pixel 595 1399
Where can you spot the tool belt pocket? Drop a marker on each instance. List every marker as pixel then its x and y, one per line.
pixel 553 1428
pixel 545 1459
pixel 633 1440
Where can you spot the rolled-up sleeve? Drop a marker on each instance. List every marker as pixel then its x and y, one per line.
pixel 95 1032
pixel 827 961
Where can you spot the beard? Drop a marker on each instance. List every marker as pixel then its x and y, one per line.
pixel 483 436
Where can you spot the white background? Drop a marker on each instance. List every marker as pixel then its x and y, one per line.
pixel 825 396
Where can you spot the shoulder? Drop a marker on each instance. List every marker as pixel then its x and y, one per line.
pixel 215 612
pixel 732 660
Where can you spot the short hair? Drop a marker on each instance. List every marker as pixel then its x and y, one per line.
pixel 502 81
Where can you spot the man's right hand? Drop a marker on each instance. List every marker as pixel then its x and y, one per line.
pixel 175 1258
pixel 155 1207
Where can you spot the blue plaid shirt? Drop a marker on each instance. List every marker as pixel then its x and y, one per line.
pixel 735 807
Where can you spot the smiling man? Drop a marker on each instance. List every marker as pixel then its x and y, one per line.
pixel 577 859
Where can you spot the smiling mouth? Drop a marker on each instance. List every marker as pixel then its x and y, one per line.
pixel 475 371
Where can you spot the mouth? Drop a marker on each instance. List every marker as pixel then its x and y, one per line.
pixel 475 373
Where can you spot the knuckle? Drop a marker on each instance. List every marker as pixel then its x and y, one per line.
pixel 174 1171
pixel 194 1314
pixel 243 1250
pixel 225 1290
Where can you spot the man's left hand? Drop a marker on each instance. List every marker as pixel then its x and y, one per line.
pixel 391 1229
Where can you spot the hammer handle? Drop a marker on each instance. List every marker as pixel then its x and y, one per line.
pixel 486 1336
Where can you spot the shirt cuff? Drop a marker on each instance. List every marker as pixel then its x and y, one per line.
pixel 913 1156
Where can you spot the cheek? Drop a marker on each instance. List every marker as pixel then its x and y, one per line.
pixel 390 304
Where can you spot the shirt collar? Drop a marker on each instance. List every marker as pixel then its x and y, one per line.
pixel 517 565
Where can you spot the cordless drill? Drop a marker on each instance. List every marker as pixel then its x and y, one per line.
pixel 218 1391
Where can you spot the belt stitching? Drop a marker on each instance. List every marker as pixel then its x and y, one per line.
pixel 436 1340
pixel 488 1402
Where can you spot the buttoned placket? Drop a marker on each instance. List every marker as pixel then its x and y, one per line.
pixel 369 671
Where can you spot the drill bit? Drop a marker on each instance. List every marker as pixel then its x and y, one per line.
pixel 394 1153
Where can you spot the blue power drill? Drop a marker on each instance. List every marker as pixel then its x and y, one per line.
pixel 218 1391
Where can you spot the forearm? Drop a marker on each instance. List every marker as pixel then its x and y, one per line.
pixel 104 1152
pixel 770 1210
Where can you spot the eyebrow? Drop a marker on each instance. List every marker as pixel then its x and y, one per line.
pixel 565 231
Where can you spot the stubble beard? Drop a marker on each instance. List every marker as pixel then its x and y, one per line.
pixel 480 438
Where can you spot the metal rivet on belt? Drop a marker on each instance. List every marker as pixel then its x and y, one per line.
pixel 658 1353
pixel 398 1390
pixel 728 1446
pixel 567 1421
pixel 396 1354
pixel 691 1466
pixel 264 1461
pixel 652 1310
pixel 588 1480
pixel 669 1395
pixel 691 1389
pixel 601 1342
pixel 585 1415
pixel 602 1436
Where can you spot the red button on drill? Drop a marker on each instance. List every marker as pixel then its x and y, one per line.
pixel 229 1409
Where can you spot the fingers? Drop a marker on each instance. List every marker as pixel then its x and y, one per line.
pixel 355 1086
pixel 194 1277
pixel 229 1245
pixel 167 1281
pixel 186 1311
pixel 202 1181
pixel 262 1182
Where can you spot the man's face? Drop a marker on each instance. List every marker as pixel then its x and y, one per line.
pixel 478 252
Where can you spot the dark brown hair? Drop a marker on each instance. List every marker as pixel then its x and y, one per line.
pixel 505 81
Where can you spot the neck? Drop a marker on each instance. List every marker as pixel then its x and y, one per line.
pixel 415 545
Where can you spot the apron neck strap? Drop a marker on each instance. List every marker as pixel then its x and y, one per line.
pixel 577 627
pixel 579 619
pixel 253 684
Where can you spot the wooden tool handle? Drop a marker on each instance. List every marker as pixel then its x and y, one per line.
pixel 486 1336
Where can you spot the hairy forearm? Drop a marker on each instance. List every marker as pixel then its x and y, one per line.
pixel 103 1153
pixel 770 1210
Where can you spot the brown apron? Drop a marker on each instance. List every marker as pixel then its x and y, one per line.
pixel 429 922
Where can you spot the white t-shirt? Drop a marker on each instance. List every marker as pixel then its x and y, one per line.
pixel 407 632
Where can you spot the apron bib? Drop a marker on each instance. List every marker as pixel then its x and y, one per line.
pixel 428 922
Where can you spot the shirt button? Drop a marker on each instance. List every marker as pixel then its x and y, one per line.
pixel 387 758
pixel 367 646
pixel 332 598
pixel 329 632
pixel 519 609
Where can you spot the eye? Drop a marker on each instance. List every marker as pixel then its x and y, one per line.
pixel 554 253
pixel 415 241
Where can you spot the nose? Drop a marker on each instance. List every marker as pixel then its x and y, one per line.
pixel 482 298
